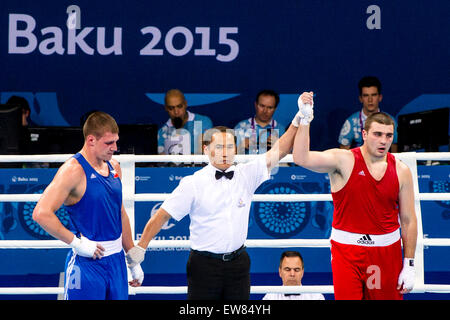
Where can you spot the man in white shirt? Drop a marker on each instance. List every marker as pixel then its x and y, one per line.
pixel 218 199
pixel 291 271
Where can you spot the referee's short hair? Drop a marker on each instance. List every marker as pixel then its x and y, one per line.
pixel 207 136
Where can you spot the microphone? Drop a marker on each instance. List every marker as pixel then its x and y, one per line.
pixel 177 122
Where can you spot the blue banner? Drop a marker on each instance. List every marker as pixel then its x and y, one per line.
pixel 70 57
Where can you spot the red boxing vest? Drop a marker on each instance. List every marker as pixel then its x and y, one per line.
pixel 365 205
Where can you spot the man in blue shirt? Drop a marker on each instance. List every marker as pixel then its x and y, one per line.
pixel 182 133
pixel 257 134
pixel 370 97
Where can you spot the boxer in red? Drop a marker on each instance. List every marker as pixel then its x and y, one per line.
pixel 373 199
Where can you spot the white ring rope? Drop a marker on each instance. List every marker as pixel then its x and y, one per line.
pixel 436 156
pixel 430 288
pixel 128 167
pixel 185 244
pixel 153 197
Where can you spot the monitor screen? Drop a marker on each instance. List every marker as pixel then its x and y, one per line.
pixel 425 131
pixel 54 140
pixel 133 139
pixel 10 129
pixel 139 139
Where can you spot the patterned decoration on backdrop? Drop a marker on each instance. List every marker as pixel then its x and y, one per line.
pixel 282 219
pixel 32 227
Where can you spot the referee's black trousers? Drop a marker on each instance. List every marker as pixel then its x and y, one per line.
pixel 214 279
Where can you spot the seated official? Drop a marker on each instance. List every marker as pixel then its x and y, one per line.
pixel 291 272
pixel 182 133
pixel 258 133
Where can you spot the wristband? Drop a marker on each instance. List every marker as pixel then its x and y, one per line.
pixel 76 242
pixel 135 256
pixel 408 262
pixel 83 247
pixel 296 121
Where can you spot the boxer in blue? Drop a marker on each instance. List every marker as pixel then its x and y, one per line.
pixel 89 185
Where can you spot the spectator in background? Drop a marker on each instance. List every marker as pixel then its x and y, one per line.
pixel 24 143
pixel 16 101
pixel 370 97
pixel 182 133
pixel 257 134
pixel 291 271
pixel 23 104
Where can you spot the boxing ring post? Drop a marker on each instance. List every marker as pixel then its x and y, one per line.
pixel 130 197
pixel 127 164
pixel 409 159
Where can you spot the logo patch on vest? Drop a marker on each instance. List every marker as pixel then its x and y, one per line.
pixel 115 174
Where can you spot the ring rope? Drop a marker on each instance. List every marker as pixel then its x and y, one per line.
pixel 151 197
pixel 185 244
pixel 436 156
pixel 428 288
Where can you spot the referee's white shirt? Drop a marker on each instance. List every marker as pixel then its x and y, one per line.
pixel 218 209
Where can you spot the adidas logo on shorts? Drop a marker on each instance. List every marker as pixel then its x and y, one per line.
pixel 365 240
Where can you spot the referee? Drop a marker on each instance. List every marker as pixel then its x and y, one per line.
pixel 218 199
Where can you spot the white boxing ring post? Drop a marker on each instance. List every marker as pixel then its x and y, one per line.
pixel 130 197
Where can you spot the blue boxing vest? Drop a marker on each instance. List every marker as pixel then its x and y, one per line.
pixel 97 215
